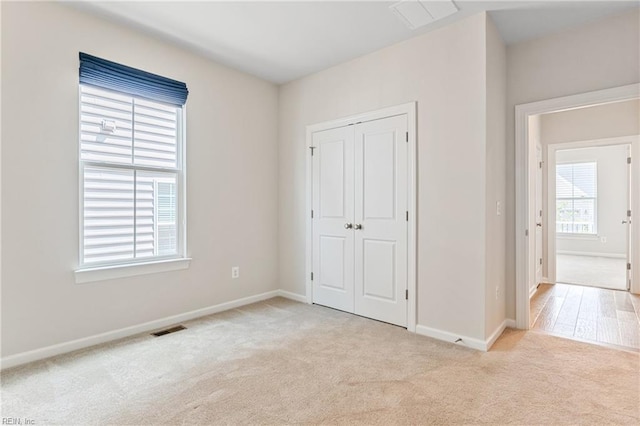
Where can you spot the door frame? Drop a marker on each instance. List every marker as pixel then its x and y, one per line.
pixel 632 141
pixel 408 109
pixel 524 169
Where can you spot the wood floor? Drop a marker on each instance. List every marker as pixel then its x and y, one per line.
pixel 605 316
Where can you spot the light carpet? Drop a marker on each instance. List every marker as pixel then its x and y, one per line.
pixel 279 362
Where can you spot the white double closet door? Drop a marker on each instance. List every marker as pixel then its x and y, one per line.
pixel 360 178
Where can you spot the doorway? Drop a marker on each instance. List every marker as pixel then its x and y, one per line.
pixel 526 169
pixel 589 201
pixel 361 227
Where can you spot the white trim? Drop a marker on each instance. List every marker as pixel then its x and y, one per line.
pixel 410 110
pixel 552 235
pixel 524 219
pixel 510 323
pixel 85 342
pixel 445 336
pixel 532 291
pixel 292 296
pixel 592 254
pixel 102 273
pixel 496 334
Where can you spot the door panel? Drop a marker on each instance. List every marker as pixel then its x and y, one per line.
pixel 380 206
pixel 331 262
pixel 332 178
pixel 379 280
pixel 627 219
pixel 333 190
pixel 539 229
pixel 379 191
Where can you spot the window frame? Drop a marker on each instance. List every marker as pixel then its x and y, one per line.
pixel 145 264
pixel 585 235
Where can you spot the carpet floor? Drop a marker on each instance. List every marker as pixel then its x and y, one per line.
pixel 605 272
pixel 279 361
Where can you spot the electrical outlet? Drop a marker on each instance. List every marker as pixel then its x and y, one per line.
pixel 498 208
pixel 235 272
pixel 497 292
pixel 603 239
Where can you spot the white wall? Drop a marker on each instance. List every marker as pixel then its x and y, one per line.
pixel 232 181
pixel 612 200
pixel 597 56
pixel 445 72
pixel 496 179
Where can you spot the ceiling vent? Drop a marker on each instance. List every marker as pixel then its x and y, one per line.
pixel 416 13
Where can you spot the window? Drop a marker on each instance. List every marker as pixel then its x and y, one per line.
pixel 576 198
pixel 131 169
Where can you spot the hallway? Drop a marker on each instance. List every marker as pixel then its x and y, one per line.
pixel 599 315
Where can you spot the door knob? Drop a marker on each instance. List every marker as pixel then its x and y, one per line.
pixel 624 222
pixel 348 225
pixel 357 226
pixel 539 224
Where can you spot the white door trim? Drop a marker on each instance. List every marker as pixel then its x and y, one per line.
pixel 523 171
pixel 408 109
pixel 632 140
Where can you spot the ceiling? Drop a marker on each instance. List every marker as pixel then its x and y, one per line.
pixel 282 41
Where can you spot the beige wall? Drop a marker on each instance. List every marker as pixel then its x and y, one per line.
pixel 496 179
pixel 597 122
pixel 445 72
pixel 593 57
pixel 232 181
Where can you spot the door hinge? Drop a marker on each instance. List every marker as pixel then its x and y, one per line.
pixel 540 164
pixel 312 276
pixel 311 214
pixel 628 266
pixel 407 216
pixel 406 295
pixel 526 232
pixel 628 213
pixel 406 136
pixel 541 261
pixel 628 160
pixel 312 148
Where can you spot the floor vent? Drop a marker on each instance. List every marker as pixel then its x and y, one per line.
pixel 169 330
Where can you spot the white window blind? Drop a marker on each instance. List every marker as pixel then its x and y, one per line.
pixel 131 170
pixel 576 198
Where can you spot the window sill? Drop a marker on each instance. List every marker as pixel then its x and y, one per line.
pixel 577 236
pixel 88 275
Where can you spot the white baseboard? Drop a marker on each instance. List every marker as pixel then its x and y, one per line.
pixel 497 333
pixel 450 337
pixel 292 296
pixel 85 342
pixel 532 291
pixel 464 340
pixel 592 254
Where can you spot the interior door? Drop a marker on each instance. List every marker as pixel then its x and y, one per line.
pixel 380 219
pixel 333 237
pixel 360 183
pixel 539 216
pixel 627 220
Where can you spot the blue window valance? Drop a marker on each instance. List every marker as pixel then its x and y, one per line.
pixel 110 75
